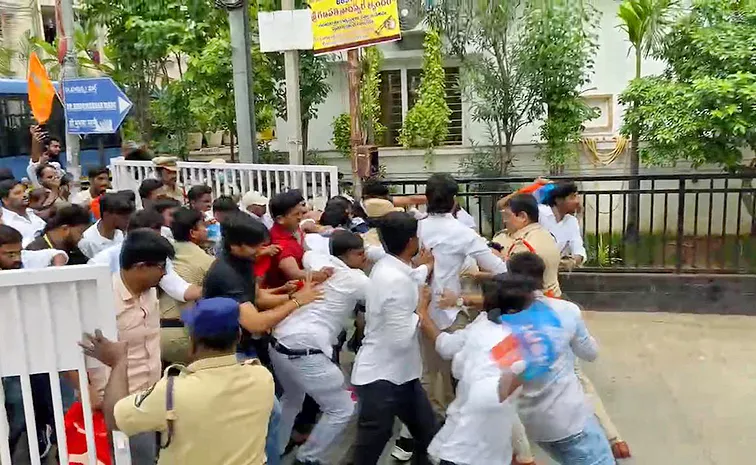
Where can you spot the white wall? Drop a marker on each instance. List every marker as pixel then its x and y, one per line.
pixel 614 68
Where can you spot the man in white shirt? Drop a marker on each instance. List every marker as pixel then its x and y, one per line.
pixel 15 211
pixel 171 282
pixel 554 409
pixel 256 205
pixel 557 215
pixel 44 152
pixel 115 210
pixel 479 422
pixel 302 348
pixel 451 243
pixel 13 257
pixel 99 182
pixel 388 366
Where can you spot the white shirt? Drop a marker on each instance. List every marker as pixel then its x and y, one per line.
pixel 566 232
pixel 318 243
pixel 555 407
pixel 466 218
pixel 317 324
pixel 451 242
pixel 35 259
pixel 31 171
pixel 478 426
pixel 166 232
pixel 173 284
pixel 266 219
pixel 93 243
pixel 29 226
pixel 390 350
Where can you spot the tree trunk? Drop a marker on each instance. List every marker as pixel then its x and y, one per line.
pixel 305 138
pixel 233 139
pixel 633 205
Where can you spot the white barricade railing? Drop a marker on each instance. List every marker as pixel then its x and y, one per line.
pixel 315 181
pixel 42 318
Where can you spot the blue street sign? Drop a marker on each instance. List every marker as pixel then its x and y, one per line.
pixel 94 106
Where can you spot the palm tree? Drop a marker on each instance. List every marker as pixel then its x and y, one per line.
pixel 645 22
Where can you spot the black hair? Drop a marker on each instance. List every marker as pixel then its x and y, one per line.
pixel 96 171
pixel 9 235
pixel 198 191
pixel 335 215
pixel 238 228
pixel 52 139
pixel 225 203
pixel 396 229
pixel 72 215
pixel 527 264
pixel 223 342
pixel 284 202
pixel 66 179
pixel 340 200
pixel 184 220
pixel 41 168
pixel 148 218
pixel 519 203
pixel 145 246
pixel 358 211
pixel 440 189
pixel 343 241
pixel 6 174
pixel 116 203
pixel 507 293
pixel 129 195
pixel 374 189
pixel 561 190
pixel 38 193
pixel 161 205
pixel 7 186
pixel 149 186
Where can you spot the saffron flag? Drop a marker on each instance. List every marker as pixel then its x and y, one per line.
pixel 41 90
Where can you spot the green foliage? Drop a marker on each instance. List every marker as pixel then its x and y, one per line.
pixel 172 115
pixel 495 78
pixel 370 95
pixel 342 134
pixel 702 108
pixel 561 43
pixel 427 122
pixel 645 22
pixel 6 57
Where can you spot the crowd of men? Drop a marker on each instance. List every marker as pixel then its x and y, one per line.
pixel 232 313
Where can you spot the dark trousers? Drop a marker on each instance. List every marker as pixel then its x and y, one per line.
pixel 380 403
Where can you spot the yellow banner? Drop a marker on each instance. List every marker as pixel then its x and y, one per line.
pixel 346 24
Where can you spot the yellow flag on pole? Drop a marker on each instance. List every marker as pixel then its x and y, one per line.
pixel 41 90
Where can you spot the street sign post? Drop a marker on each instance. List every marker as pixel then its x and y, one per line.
pixel 94 106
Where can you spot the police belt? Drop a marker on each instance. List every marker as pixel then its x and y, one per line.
pixel 171 323
pixel 281 349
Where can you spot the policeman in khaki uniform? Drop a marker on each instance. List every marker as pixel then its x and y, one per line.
pixel 213 412
pixel 524 234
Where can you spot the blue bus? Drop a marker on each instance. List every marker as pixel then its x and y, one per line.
pixel 15 139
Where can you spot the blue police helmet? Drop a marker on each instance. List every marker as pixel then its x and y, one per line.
pixel 211 317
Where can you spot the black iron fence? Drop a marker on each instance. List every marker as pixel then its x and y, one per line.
pixel 686 222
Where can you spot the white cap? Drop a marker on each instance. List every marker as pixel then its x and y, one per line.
pixel 253 198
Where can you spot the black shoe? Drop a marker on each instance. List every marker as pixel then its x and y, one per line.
pixel 403 449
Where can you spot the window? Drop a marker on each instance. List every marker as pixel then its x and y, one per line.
pixel 399 90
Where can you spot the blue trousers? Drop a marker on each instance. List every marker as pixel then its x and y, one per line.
pixel 588 447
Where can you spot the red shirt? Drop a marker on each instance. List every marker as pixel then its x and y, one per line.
pixel 291 246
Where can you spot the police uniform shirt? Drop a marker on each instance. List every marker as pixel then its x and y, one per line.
pixel 535 238
pixel 220 411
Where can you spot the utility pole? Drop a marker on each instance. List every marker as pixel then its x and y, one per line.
pixel 293 102
pixel 70 71
pixel 241 58
pixel 353 67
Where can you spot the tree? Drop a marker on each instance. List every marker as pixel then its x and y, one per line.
pixel 427 122
pixel 370 95
pixel 702 108
pixel 645 22
pixel 487 37
pixel 144 37
pixel 561 43
pixel 6 60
